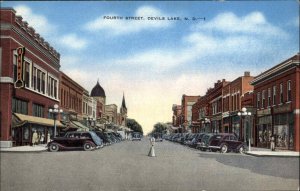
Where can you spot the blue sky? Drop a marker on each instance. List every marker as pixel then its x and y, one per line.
pixel 155 62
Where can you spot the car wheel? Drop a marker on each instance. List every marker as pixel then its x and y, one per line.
pixel 87 146
pixel 53 147
pixel 241 150
pixel 224 148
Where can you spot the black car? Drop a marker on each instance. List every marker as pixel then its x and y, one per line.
pixel 225 142
pixel 104 137
pixel 86 140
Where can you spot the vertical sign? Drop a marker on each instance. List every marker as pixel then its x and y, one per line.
pixel 20 60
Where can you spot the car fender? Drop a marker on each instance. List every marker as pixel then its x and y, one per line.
pixel 92 143
pixel 58 144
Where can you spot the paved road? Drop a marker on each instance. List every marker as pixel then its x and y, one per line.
pixel 126 166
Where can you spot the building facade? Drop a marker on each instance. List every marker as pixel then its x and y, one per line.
pixel 187 103
pixel 29 82
pixel 277 102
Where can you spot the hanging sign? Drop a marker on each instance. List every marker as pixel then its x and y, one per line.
pixel 20 60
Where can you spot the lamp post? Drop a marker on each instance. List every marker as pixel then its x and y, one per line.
pixel 55 111
pixel 243 114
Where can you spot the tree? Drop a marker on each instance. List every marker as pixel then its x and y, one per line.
pixel 159 127
pixel 134 125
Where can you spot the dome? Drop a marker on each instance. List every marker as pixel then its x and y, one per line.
pixel 98 91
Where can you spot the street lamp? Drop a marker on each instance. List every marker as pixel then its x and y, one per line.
pixel 55 111
pixel 243 114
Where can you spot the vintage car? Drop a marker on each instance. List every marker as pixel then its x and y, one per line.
pixel 225 142
pixel 204 144
pixel 136 136
pixel 86 140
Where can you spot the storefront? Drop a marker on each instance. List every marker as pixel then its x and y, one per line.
pixel 216 123
pixel 236 127
pixel 226 122
pixel 23 127
pixel 284 127
pixel 264 128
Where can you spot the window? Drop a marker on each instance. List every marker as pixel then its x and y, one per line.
pixel 43 83
pixel 289 91
pixel 52 87
pixel 258 100
pixel 15 68
pixel 37 110
pixel 263 98
pixel 27 74
pixel 19 106
pixel 274 95
pixel 38 86
pixel 269 97
pixel 281 93
pixel 34 78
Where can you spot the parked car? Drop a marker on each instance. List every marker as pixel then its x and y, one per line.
pixel 196 140
pixel 136 136
pixel 203 145
pixel 104 137
pixel 87 140
pixel 225 142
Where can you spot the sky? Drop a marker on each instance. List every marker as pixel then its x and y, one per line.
pixel 154 61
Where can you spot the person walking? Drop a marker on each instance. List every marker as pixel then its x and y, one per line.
pixel 152 152
pixel 272 143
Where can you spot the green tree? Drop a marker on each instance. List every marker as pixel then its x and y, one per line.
pixel 159 127
pixel 134 125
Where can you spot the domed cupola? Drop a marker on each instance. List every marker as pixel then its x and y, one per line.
pixel 98 91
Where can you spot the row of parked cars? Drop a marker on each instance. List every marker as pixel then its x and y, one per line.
pixel 86 140
pixel 223 142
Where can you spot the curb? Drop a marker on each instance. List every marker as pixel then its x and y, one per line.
pixel 23 151
pixel 265 155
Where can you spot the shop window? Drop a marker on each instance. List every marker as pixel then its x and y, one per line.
pixel 19 106
pixel 289 91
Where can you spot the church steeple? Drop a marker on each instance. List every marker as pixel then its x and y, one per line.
pixel 123 102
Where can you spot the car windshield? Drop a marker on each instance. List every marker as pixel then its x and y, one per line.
pixel 95 138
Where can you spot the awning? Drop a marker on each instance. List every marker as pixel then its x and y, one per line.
pixel 79 125
pixel 23 119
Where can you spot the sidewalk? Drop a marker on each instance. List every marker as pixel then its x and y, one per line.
pixel 263 152
pixel 37 148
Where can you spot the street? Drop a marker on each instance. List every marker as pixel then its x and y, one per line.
pixel 126 166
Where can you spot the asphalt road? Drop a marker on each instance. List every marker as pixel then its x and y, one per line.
pixel 126 166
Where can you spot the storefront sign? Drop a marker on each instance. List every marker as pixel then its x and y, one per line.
pixel 20 60
pixel 216 118
pixel 282 108
pixel 264 112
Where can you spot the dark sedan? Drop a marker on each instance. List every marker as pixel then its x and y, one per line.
pixel 225 142
pixel 86 140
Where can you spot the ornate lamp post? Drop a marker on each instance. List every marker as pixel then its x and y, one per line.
pixel 55 111
pixel 243 114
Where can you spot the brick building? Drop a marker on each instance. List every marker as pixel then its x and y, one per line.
pixel 277 101
pixel 29 81
pixel 214 98
pixel 186 115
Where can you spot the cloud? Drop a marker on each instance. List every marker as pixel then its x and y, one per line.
pixel 39 22
pixel 253 23
pixel 73 41
pixel 124 26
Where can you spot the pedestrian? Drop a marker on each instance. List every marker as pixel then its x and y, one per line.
pixel 35 138
pixel 152 152
pixel 272 143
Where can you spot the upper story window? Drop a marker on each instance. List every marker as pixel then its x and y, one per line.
pixel 258 100
pixel 269 97
pixel 281 93
pixel 274 95
pixel 52 87
pixel 19 106
pixel 37 110
pixel 263 98
pixel 289 91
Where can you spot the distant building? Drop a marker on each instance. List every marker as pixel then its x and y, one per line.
pixel 99 94
pixel 123 113
pixel 186 115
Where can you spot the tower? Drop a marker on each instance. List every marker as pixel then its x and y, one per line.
pixel 123 112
